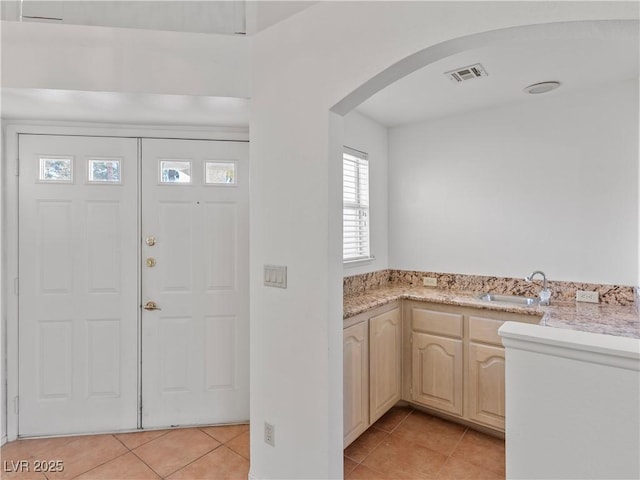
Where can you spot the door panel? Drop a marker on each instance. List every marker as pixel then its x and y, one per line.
pixel 195 348
pixel 78 269
pixel 486 384
pixel 356 381
pixel 385 368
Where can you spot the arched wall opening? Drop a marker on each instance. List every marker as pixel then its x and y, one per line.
pixel 602 29
pixel 561 31
pixel 609 33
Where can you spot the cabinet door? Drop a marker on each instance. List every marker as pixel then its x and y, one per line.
pixel 385 371
pixel 486 384
pixel 356 381
pixel 437 372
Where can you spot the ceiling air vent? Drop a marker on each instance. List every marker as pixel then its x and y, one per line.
pixel 466 73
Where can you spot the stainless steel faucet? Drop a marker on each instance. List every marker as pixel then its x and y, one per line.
pixel 545 294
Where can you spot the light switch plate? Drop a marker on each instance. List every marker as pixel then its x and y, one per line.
pixel 275 276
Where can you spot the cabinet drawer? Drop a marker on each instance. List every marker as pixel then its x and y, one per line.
pixel 431 321
pixel 485 330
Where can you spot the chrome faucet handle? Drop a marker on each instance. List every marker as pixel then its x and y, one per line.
pixel 545 293
pixel 545 296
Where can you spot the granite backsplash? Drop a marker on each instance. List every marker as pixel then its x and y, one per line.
pixel 561 291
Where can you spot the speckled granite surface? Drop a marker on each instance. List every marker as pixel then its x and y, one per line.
pixel 561 291
pixel 619 320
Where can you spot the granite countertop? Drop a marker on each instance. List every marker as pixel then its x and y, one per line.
pixel 622 321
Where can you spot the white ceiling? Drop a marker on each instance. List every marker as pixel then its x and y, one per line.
pixel 577 63
pixel 112 107
pixel 262 14
pixel 423 95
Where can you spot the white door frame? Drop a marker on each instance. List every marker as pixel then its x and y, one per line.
pixel 9 234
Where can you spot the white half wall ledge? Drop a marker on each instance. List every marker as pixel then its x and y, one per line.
pixel 560 30
pixel 609 350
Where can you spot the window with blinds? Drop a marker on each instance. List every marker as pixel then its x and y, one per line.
pixel 355 206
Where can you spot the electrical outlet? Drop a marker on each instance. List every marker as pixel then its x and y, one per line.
pixel 584 296
pixel 429 281
pixel 269 434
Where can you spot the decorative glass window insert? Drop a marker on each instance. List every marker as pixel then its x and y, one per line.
pixel 104 171
pixel 220 173
pixel 355 206
pixel 175 171
pixel 56 169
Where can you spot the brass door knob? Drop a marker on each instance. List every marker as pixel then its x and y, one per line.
pixel 151 306
pixel 151 262
pixel 150 241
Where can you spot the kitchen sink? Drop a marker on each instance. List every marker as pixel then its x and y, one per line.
pixel 515 299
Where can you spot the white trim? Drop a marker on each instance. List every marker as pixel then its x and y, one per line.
pixel 135 131
pixel 9 233
pixel 358 262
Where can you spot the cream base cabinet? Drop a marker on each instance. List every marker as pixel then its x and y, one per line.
pixel 456 364
pixel 437 372
pixel 486 385
pixel 355 381
pixel 436 359
pixel 485 378
pixel 385 362
pixel 372 367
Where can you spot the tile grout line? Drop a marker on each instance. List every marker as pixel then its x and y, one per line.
pixel 388 434
pixel 194 460
pixel 149 466
pixel 123 444
pixel 105 462
pixel 458 443
pixel 131 450
pixel 452 450
pixel 470 462
pixel 223 443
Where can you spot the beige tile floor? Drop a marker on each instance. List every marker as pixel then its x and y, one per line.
pixel 185 453
pixel 408 444
pixel 403 444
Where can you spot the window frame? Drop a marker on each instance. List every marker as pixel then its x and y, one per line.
pixel 359 205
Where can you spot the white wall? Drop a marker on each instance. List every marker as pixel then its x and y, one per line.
pixel 301 68
pixel 367 135
pixel 103 59
pixel 548 183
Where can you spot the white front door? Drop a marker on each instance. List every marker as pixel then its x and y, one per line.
pixel 78 286
pixel 89 355
pixel 195 345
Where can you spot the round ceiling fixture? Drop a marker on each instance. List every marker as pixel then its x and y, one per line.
pixel 542 87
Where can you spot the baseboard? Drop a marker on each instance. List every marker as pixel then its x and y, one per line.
pixel 3 439
pixel 252 476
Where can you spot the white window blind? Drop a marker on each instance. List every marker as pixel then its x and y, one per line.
pixel 355 205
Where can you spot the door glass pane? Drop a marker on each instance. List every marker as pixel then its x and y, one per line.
pixel 217 173
pixel 104 171
pixel 175 171
pixel 58 169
